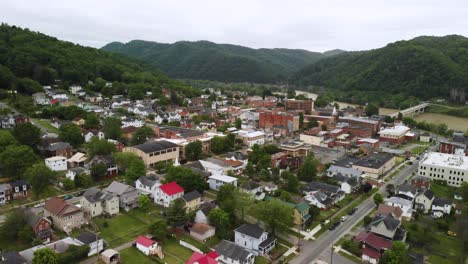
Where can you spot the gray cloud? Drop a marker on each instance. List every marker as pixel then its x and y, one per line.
pixel 306 24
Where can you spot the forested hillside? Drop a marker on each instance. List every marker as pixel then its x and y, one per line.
pixel 221 62
pixel 29 60
pixel 423 68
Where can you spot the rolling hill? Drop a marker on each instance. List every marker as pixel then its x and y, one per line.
pixel 221 62
pixel 424 68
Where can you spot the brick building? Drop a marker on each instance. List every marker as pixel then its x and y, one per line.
pixel 304 105
pixel 361 127
pixel 269 119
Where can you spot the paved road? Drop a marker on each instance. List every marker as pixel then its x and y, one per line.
pixel 43 129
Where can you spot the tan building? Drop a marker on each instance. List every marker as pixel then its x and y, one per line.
pixel 192 200
pixel 295 148
pixel 97 202
pixel 375 165
pixel 64 216
pixel 156 151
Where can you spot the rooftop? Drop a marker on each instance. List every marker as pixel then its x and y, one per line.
pixel 155 146
pixel 445 160
pixel 223 178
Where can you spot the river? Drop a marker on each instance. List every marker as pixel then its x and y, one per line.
pixel 453 122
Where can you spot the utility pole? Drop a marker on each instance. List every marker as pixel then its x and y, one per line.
pixel 331 254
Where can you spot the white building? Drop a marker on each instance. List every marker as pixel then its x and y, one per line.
pixel 447 167
pixel 95 242
pixel 74 89
pixel 57 163
pixel 230 253
pixel 167 193
pixel 254 239
pixel 71 173
pixel 216 181
pixel 148 184
pixel 405 205
pixel 147 246
pixel 250 138
pixel 90 134
pixel 441 207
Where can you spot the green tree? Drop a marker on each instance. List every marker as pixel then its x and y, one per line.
pixel 158 229
pixel 301 120
pixel 91 121
pixel 112 128
pixel 98 171
pixel 193 150
pixel 144 202
pixel 72 134
pixel 221 220
pixel 142 135
pixel 131 165
pixel 291 183
pixel 397 254
pixel 14 160
pixel 308 171
pixel 185 177
pixel 225 197
pixel 218 145
pixel 378 199
pixel 277 215
pixel 45 256
pixel 68 184
pixel 238 123
pixel 27 134
pixel 176 214
pixel 6 139
pixel 83 180
pixel 39 177
pixel 14 224
pixel 100 147
pixel 372 109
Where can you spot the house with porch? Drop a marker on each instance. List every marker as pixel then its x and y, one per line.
pixel 253 238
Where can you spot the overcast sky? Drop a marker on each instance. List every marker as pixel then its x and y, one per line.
pixel 312 25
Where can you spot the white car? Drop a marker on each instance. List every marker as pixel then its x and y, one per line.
pixel 343 218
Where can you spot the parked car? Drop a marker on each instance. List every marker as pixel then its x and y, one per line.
pixel 352 211
pixel 68 197
pixel 334 225
pixel 343 218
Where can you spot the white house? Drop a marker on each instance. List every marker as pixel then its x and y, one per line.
pixel 74 89
pixel 250 138
pixel 202 214
pixel 424 201
pixel 216 181
pixel 148 184
pixel 167 193
pixel 90 134
pixel 71 173
pixel 254 239
pixel 132 122
pixel 405 205
pixel 441 207
pixel 230 253
pixel 147 246
pixel 95 242
pixel 60 96
pixel 57 163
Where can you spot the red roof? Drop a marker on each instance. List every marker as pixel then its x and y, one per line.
pixel 372 253
pixel 171 188
pixel 377 242
pixel 199 258
pixel 144 241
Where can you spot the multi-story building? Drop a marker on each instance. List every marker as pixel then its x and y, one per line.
pixel 64 216
pixel 57 163
pixel 254 239
pixel 447 167
pixel 270 119
pixel 361 127
pixel 304 105
pixel 97 202
pixel 375 165
pixel 5 193
pixel 167 193
pixel 394 135
pixel 295 148
pixel 156 151
pixel 456 148
pixel 251 138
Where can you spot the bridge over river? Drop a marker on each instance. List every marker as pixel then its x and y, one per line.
pixel 412 111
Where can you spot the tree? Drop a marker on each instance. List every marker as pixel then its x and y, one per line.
pixel 45 256
pixel 277 215
pixel 13 225
pixel 225 197
pixel 176 215
pixel 324 127
pixel 98 171
pixel 144 202
pixel 463 190
pixel 131 165
pixel 301 120
pixel 372 109
pixel 91 121
pixel 242 203
pixel 193 150
pixel 397 254
pixel 142 135
pixel 308 171
pixel 6 139
pixel 217 145
pixel 158 229
pixel 72 134
pixel 27 134
pixel 83 180
pixel 39 177
pixel 221 220
pixel 271 149
pixel 14 160
pixel 74 254
pixel 112 128
pixel 68 184
pixel 98 146
pixel 291 182
pixel 238 123
pixel 185 177
pixel 378 199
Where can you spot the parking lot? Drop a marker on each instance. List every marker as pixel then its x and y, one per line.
pixel 327 155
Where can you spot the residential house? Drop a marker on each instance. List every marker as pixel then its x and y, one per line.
pixel 96 202
pixel 74 89
pixel 387 226
pixel 129 197
pixel 441 207
pixel 421 182
pixel 5 193
pixel 128 132
pixel 192 200
pixel 405 205
pixel 253 238
pixel 200 258
pixel 407 191
pixel 157 151
pixel 148 184
pixel 71 173
pixel 167 193
pixel 88 135
pixel 301 214
pixel 231 253
pixel 202 214
pixel 373 247
pixel 202 231
pixel 216 181
pixel 63 149
pixel 254 189
pixel 58 246
pixel 148 246
pixel 423 201
pixel 78 121
pixel 393 211
pixel 19 189
pixel 77 160
pixel 345 171
pixel 64 216
pixel 94 241
pixel 108 161
pixel 347 184
pixel 40 225
pixel 321 194
pixel 237 156
pixel 425 137
pixel 58 163
pixel 132 122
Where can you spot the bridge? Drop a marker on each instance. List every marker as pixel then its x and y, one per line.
pixel 414 110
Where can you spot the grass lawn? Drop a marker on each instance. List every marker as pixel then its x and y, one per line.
pixel 176 250
pixel 261 260
pixel 196 243
pixel 290 257
pixel 132 255
pixel 441 190
pixel 350 257
pixel 418 150
pixel 46 123
pixel 212 241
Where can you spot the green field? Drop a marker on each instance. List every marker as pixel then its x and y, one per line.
pixel 132 255
pixel 46 124
pixel 172 250
pixel 442 191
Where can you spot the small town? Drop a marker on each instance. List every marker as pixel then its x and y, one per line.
pixel 112 162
